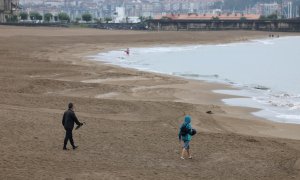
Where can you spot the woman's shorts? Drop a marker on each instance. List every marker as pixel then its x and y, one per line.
pixel 186 144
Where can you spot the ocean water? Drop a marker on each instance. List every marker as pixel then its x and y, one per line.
pixel 266 72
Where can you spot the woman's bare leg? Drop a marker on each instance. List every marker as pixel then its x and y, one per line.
pixel 189 153
pixel 182 153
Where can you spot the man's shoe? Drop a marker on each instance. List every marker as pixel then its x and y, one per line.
pixel 75 147
pixel 65 149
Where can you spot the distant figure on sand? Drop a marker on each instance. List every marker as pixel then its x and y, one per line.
pixel 68 121
pixel 127 51
pixel 185 136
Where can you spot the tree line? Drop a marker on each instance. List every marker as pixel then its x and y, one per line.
pixel 64 17
pixel 48 17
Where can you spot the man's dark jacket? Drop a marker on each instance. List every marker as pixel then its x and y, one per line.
pixel 69 118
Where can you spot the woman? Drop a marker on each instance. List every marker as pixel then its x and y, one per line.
pixel 185 136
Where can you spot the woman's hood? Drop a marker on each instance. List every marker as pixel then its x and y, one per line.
pixel 187 119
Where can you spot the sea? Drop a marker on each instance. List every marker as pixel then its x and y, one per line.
pixel 264 72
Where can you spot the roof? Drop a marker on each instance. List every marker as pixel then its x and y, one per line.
pixel 194 16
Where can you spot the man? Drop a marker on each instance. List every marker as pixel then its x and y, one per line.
pixel 68 122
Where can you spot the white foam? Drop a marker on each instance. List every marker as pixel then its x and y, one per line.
pixel 165 49
pixel 290 117
pixel 265 42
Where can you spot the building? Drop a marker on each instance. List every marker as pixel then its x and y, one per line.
pixel 7 8
pixel 119 15
pixel 268 9
pixel 195 16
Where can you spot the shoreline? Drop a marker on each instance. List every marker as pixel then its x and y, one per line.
pixel 223 85
pixel 132 117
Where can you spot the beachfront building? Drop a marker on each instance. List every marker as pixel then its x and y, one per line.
pixel 7 8
pixel 195 16
pixel 194 21
pixel 119 15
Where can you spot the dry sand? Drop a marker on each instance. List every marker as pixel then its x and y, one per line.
pixel 131 117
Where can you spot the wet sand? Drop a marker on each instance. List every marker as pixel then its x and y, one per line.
pixel 132 117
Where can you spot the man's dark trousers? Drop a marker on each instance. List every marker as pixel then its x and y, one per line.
pixel 69 136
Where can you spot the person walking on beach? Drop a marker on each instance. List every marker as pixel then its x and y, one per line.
pixel 69 118
pixel 185 137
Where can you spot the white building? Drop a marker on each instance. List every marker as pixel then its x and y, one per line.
pixel 7 9
pixel 119 15
pixel 133 19
pixel 268 9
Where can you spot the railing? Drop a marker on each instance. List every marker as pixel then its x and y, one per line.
pixel 32 24
pixel 120 26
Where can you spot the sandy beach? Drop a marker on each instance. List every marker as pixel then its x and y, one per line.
pixel 132 117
